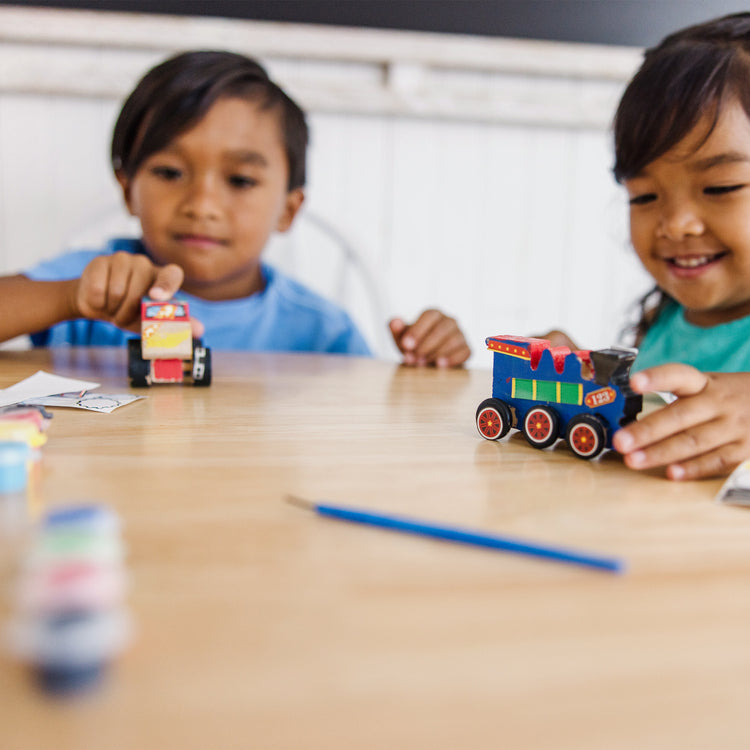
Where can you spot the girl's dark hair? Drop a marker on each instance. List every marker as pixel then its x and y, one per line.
pixel 174 96
pixel 690 74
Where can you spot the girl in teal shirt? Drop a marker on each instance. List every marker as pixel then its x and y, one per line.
pixel 682 151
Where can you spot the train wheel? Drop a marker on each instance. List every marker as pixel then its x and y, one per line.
pixel 493 419
pixel 541 426
pixel 586 436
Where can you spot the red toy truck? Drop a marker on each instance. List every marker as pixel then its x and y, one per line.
pixel 166 351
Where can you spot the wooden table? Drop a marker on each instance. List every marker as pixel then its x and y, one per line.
pixel 260 625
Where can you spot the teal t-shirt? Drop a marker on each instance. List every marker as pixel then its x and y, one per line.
pixel 721 348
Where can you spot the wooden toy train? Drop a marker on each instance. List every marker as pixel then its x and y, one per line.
pixel 551 392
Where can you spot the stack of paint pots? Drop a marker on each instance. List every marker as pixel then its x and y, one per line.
pixel 71 619
pixel 22 434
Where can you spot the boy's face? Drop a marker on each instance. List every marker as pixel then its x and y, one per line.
pixel 210 200
pixel 690 219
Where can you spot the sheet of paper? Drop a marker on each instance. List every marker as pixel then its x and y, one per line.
pixel 666 396
pixel 42 384
pixel 736 490
pixel 102 402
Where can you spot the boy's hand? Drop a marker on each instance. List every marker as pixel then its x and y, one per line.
pixel 111 288
pixel 704 433
pixel 558 338
pixel 433 339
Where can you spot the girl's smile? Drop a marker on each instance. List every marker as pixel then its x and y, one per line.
pixel 690 218
pixel 692 266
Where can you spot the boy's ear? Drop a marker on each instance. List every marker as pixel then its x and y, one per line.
pixel 124 181
pixel 293 202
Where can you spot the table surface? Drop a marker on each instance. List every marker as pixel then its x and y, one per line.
pixel 259 624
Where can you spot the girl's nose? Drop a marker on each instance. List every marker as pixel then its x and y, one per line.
pixel 202 199
pixel 680 221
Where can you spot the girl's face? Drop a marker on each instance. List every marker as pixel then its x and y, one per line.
pixel 690 219
pixel 210 200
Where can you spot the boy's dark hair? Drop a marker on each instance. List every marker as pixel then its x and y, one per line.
pixel 177 93
pixel 689 74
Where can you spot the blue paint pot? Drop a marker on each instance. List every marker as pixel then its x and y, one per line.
pixel 14 465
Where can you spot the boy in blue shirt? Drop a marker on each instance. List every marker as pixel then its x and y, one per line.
pixel 210 156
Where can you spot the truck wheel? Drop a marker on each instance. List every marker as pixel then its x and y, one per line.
pixel 541 426
pixel 139 369
pixel 586 436
pixel 493 419
pixel 201 365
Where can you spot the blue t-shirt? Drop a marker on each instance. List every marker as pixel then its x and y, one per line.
pixel 284 317
pixel 720 348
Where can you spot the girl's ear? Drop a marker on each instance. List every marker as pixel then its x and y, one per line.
pixel 125 184
pixel 293 202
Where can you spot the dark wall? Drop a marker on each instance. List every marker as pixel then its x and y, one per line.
pixel 627 22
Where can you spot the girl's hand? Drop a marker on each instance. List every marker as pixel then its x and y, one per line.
pixel 111 288
pixel 704 433
pixel 434 339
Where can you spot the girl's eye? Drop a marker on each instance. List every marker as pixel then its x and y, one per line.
pixel 643 199
pixel 166 173
pixel 242 181
pixel 722 189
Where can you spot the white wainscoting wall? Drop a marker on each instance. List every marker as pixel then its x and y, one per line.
pixel 468 173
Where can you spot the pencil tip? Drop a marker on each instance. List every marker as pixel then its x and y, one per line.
pixel 299 502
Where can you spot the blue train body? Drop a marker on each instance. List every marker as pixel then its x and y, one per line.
pixel 551 392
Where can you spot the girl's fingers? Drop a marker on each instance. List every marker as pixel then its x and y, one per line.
pixel 681 446
pixel 716 463
pixel 682 380
pixel 678 417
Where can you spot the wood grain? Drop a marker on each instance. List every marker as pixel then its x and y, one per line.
pixel 262 625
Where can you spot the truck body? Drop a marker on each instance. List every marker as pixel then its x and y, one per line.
pixel 166 351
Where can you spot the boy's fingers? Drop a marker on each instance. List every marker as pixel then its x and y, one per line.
pixel 92 289
pixel 167 282
pixel 405 343
pixel 558 338
pixel 455 356
pixel 197 327
pixel 397 326
pixel 118 282
pixel 419 329
pixel 437 337
pixel 141 274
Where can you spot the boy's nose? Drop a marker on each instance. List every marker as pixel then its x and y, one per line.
pixel 202 200
pixel 680 221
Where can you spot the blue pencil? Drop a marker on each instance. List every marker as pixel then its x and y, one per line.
pixel 462 536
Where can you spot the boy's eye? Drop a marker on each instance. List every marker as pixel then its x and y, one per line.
pixel 166 173
pixel 722 189
pixel 643 199
pixel 242 181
